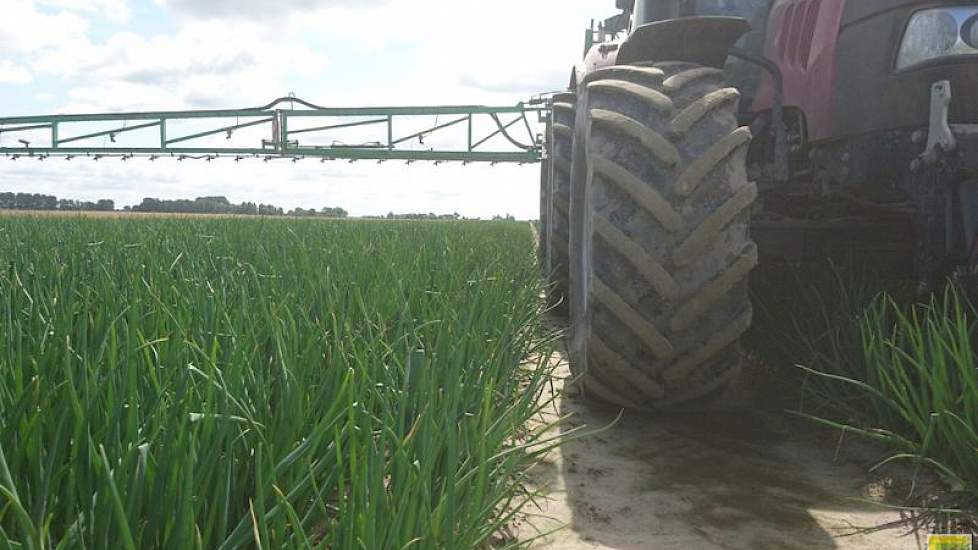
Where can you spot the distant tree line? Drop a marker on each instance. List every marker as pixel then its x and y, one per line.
pixel 433 216
pixel 200 205
pixel 37 201
pixel 221 205
pixel 204 205
pixel 428 216
pixel 325 212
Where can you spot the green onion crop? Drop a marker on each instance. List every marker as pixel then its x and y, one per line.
pixel 230 383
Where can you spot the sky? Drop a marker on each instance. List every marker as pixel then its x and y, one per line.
pixel 77 56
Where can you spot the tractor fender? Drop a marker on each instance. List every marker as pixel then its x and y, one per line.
pixel 704 40
pixel 598 57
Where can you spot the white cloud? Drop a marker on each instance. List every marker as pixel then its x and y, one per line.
pixel 114 10
pixel 14 74
pixel 203 65
pixel 27 31
pixel 464 50
pixel 257 9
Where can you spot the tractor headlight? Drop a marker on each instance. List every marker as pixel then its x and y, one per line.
pixel 939 32
pixel 969 32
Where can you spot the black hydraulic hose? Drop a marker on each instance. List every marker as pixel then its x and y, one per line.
pixel 502 129
pixel 781 166
pixel 283 100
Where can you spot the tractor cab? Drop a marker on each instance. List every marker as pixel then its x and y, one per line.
pixel 651 11
pixel 638 13
pixel 661 30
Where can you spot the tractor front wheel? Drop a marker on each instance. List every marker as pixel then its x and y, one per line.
pixel 661 296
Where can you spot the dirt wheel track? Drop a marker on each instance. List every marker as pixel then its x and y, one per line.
pixel 745 479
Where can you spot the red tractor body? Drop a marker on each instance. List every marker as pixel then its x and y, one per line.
pixel 849 89
pixel 840 61
pixel 803 44
pixel 862 145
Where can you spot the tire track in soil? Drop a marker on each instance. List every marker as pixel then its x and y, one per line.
pixel 746 477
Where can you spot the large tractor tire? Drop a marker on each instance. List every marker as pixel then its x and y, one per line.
pixel 557 169
pixel 665 250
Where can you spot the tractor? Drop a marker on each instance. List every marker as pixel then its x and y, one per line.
pixel 699 137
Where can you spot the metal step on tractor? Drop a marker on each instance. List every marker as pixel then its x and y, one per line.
pixel 698 137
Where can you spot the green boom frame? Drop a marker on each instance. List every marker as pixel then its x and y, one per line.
pixel 284 141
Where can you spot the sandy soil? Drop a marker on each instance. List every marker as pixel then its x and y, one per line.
pixel 747 477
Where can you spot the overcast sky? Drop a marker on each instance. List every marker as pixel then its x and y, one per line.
pixel 64 56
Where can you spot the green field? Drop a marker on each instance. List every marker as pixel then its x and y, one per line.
pixel 230 383
pixel 889 366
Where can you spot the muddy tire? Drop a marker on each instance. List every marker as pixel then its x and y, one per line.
pixel 661 300
pixel 556 170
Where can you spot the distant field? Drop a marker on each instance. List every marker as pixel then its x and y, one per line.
pixel 231 383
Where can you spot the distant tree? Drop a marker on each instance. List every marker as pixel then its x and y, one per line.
pixel 336 212
pixel 28 201
pixel 105 205
pixel 223 201
pixel 247 208
pixel 419 216
pixel 149 205
pixel 23 201
pixel 184 206
pixel 212 205
pixel 269 210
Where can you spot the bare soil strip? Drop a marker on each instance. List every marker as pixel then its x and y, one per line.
pixel 746 478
